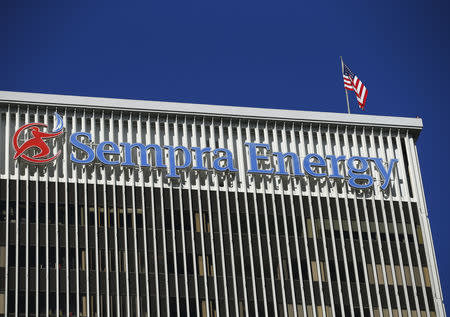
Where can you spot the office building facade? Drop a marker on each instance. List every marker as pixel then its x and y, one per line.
pixel 115 207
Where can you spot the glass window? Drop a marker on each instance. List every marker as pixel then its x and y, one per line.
pixel 91 220
pixel 120 217
pixel 2 303
pixel 407 276
pixel 398 275
pixel 319 311
pixel 390 279
pixel 139 217
pixel 241 309
pixel 81 216
pixel 100 216
pixel 426 277
pixel 112 263
pixel 83 306
pixel 205 222
pixel 419 234
pixel 209 265
pixel 379 274
pixel 417 276
pixel 197 222
pixel 130 218
pixel 315 274
pixel 2 256
pixel 200 265
pixel 290 310
pixel 322 269
pixel 370 273
pixel 110 217
pixel 309 228
pixel 300 311
pixel 83 260
pixel 141 262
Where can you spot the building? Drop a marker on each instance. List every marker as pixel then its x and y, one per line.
pixel 121 207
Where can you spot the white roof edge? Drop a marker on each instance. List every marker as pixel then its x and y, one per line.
pixel 212 110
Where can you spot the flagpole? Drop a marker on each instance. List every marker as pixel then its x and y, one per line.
pixel 346 93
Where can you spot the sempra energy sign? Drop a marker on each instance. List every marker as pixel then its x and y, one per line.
pixel 110 153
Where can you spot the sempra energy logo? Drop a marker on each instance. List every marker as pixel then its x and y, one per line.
pixel 37 141
pixel 355 170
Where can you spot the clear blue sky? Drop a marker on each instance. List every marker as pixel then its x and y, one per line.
pixel 278 54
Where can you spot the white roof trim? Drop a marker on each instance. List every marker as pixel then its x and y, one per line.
pixel 211 110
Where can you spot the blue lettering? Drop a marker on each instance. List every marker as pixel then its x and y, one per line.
pixel 254 158
pixel 107 152
pixel 199 157
pixel 143 151
pixel 227 159
pixel 82 147
pixel 172 165
pixel 354 172
pixel 319 162
pixel 101 152
pixel 282 166
pixel 385 173
pixel 334 166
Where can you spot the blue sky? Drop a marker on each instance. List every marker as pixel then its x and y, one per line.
pixel 281 54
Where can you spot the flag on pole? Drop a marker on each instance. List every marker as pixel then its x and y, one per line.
pixel 352 82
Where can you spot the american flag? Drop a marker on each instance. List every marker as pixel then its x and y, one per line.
pixel 352 82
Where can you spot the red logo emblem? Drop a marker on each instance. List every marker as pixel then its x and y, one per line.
pixel 37 141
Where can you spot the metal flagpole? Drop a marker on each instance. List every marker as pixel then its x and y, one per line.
pixel 346 93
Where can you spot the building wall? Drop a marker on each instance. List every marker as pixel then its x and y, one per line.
pixel 131 240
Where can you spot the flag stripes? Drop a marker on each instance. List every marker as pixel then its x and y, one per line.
pixel 352 83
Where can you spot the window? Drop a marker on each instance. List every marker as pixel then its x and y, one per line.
pixel 130 218
pixel 122 263
pixel 2 303
pixel 370 273
pixel 322 268
pixel 81 216
pixel 209 265
pixel 290 310
pixel 139 217
pixel 120 217
pixel 419 234
pixel 91 220
pixel 102 260
pixel 389 275
pixel 417 276
pixel 111 261
pixel 206 225
pixel 315 273
pixel 141 262
pixel 398 275
pixel 426 277
pixel 2 210
pixel 212 309
pixel 61 214
pixel 407 276
pixel 72 252
pixel 100 216
pixel 83 260
pixel 2 256
pixel 241 309
pixel 110 217
pixel 83 305
pixel 309 228
pixel 379 274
